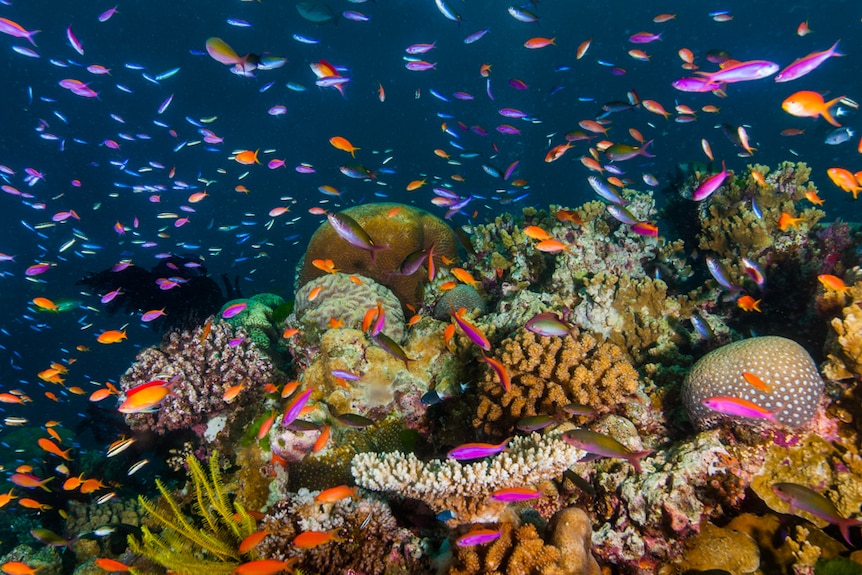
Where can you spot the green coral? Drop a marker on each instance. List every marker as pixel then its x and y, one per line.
pixel 257 320
pixel 206 545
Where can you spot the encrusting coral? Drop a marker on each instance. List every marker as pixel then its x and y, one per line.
pixel 465 488
pixel 202 370
pixel 257 320
pixel 404 229
pixel 548 373
pixel 782 379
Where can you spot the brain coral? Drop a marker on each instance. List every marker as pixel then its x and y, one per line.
pixel 793 382
pixel 406 231
pixel 462 295
pixel 345 300
pixel 548 373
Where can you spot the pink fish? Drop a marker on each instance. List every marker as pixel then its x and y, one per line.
pixel 693 84
pixel 295 407
pixel 472 332
pixel 73 41
pixel 234 309
pixel 644 38
pixel 806 64
pixel 476 450
pixel 709 185
pixel 742 72
pixel 106 15
pixel 153 314
pixel 515 494
pixel 738 407
pixel 109 297
pixel 14 29
pixel 477 537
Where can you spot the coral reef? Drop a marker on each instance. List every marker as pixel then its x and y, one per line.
pixel 548 373
pixel 461 296
pixel 405 229
pixel 844 342
pixel 790 387
pixel 344 300
pixel 205 368
pixel 257 320
pixel 721 548
pixel 465 488
pixel 370 539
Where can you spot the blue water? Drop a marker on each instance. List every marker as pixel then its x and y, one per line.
pixel 158 36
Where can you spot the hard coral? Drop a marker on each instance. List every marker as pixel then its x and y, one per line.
pixel 548 373
pixel 793 384
pixel 405 231
pixel 518 551
pixel 844 343
pixel 205 368
pixel 257 320
pixel 465 488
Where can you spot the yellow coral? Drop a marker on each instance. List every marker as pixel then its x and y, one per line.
pixel 518 551
pixel 548 373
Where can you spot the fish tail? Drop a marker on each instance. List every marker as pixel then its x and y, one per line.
pixel 373 250
pixel 635 458
pixel 844 526
pixel 827 115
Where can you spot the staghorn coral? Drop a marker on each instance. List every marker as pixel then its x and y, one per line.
pixel 372 541
pixel 465 488
pixel 794 384
pixel 205 368
pixel 408 230
pixel 548 373
pixel 844 342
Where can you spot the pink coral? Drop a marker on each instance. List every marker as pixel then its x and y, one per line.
pixel 204 368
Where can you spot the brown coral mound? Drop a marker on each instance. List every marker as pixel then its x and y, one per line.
pixel 518 551
pixel 548 373
pixel 407 231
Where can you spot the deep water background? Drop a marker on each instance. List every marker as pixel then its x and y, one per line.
pixel 160 35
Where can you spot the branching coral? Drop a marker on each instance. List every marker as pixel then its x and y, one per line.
pixel 465 488
pixel 204 368
pixel 207 546
pixel 518 551
pixel 844 343
pixel 548 373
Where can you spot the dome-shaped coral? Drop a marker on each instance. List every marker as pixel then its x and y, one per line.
pixel 405 231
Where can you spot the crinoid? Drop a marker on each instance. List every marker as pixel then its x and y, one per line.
pixel 206 543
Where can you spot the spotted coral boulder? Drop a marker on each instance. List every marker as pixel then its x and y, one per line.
pixel 792 386
pixel 405 231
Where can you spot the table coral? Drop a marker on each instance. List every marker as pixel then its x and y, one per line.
pixel 548 373
pixel 465 488
pixel 793 384
pixel 207 367
pixel 407 230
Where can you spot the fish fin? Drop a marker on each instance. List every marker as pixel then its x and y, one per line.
pixel 827 115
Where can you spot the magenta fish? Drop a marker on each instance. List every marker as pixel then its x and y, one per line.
pixel 806 64
pixel 420 65
pixel 738 407
pixel 742 72
pixel 295 407
pixel 234 309
pixel 512 494
pixel 694 84
pixel 472 332
pixel 420 48
pixel 14 29
pixel 644 38
pixel 477 537
pixel 709 185
pixel 476 450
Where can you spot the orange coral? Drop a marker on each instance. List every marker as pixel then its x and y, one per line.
pixel 548 373
pixel 518 551
pixel 406 231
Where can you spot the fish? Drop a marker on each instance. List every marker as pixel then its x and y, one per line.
pixel 741 72
pixel 294 408
pixel 14 29
pixel 447 11
pixel 53 448
pixel 548 324
pixel 786 221
pixel 803 498
pixel 845 180
pixel 500 370
pixel 512 494
pixel 756 382
pixel 312 539
pixel 471 331
pixel 809 104
pixel 391 347
pixel 832 282
pixel 234 310
pixel 111 336
pixel 145 397
pixel 805 65
pixel 111 565
pixel 28 481
pixel 710 185
pixel 350 230
pixel 738 407
pixel 604 445
pixel 253 540
pixel 477 536
pixel 335 494
pixel 476 450
pixel 748 303
pixel 343 144
pixel 264 566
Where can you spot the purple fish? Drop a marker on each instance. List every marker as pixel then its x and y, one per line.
pixel 106 15
pixel 350 230
pixel 295 408
pixel 476 450
pixel 234 309
pixel 512 113
pixel 420 65
pixel 507 129
pixel 511 494
pixel 693 84
pixel 475 36
pixel 719 273
pixel 477 536
pixel 644 38
pixel 742 72
pixel 547 324
pixel 472 332
pixel 709 185
pixel 420 48
pixel 14 29
pixel 355 16
pixel 345 375
pixel 738 407
pixel 806 64
pixel 518 84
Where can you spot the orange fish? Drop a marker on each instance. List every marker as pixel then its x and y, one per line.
pixel 197 196
pixel 51 447
pixel 247 157
pixel 811 196
pixel 33 504
pixel 290 332
pixel 355 280
pixel 655 108
pixel 557 152
pixel 536 233
pixel 756 382
pixel 206 330
pixel 464 276
pixel 569 216
pixel 758 178
pixel 312 539
pixel 111 336
pixel 415 185
pixel 252 541
pixel 111 565
pixel 312 295
pixel 327 266
pixel 748 303
pixel 582 48
pixel 100 394
pixel 414 319
pixel 809 104
pixel 446 286
pixel 28 481
pixel 551 246
pixel 343 144
pixel 322 439
pixel 91 485
pixel 7 497
pixel 845 180
pixel 231 392
pixel 592 164
pixel 538 42
pixel 441 154
pixel 336 323
pixel 448 333
pixel 335 494
pixel 44 303
pixel 264 567
pixel 786 221
pixel 17 568
pixel 833 282
pixel 803 29
pixel 266 426
pixel 593 126
pixel 145 399
pixel 485 70
pixel 393 212
pixel 9 398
